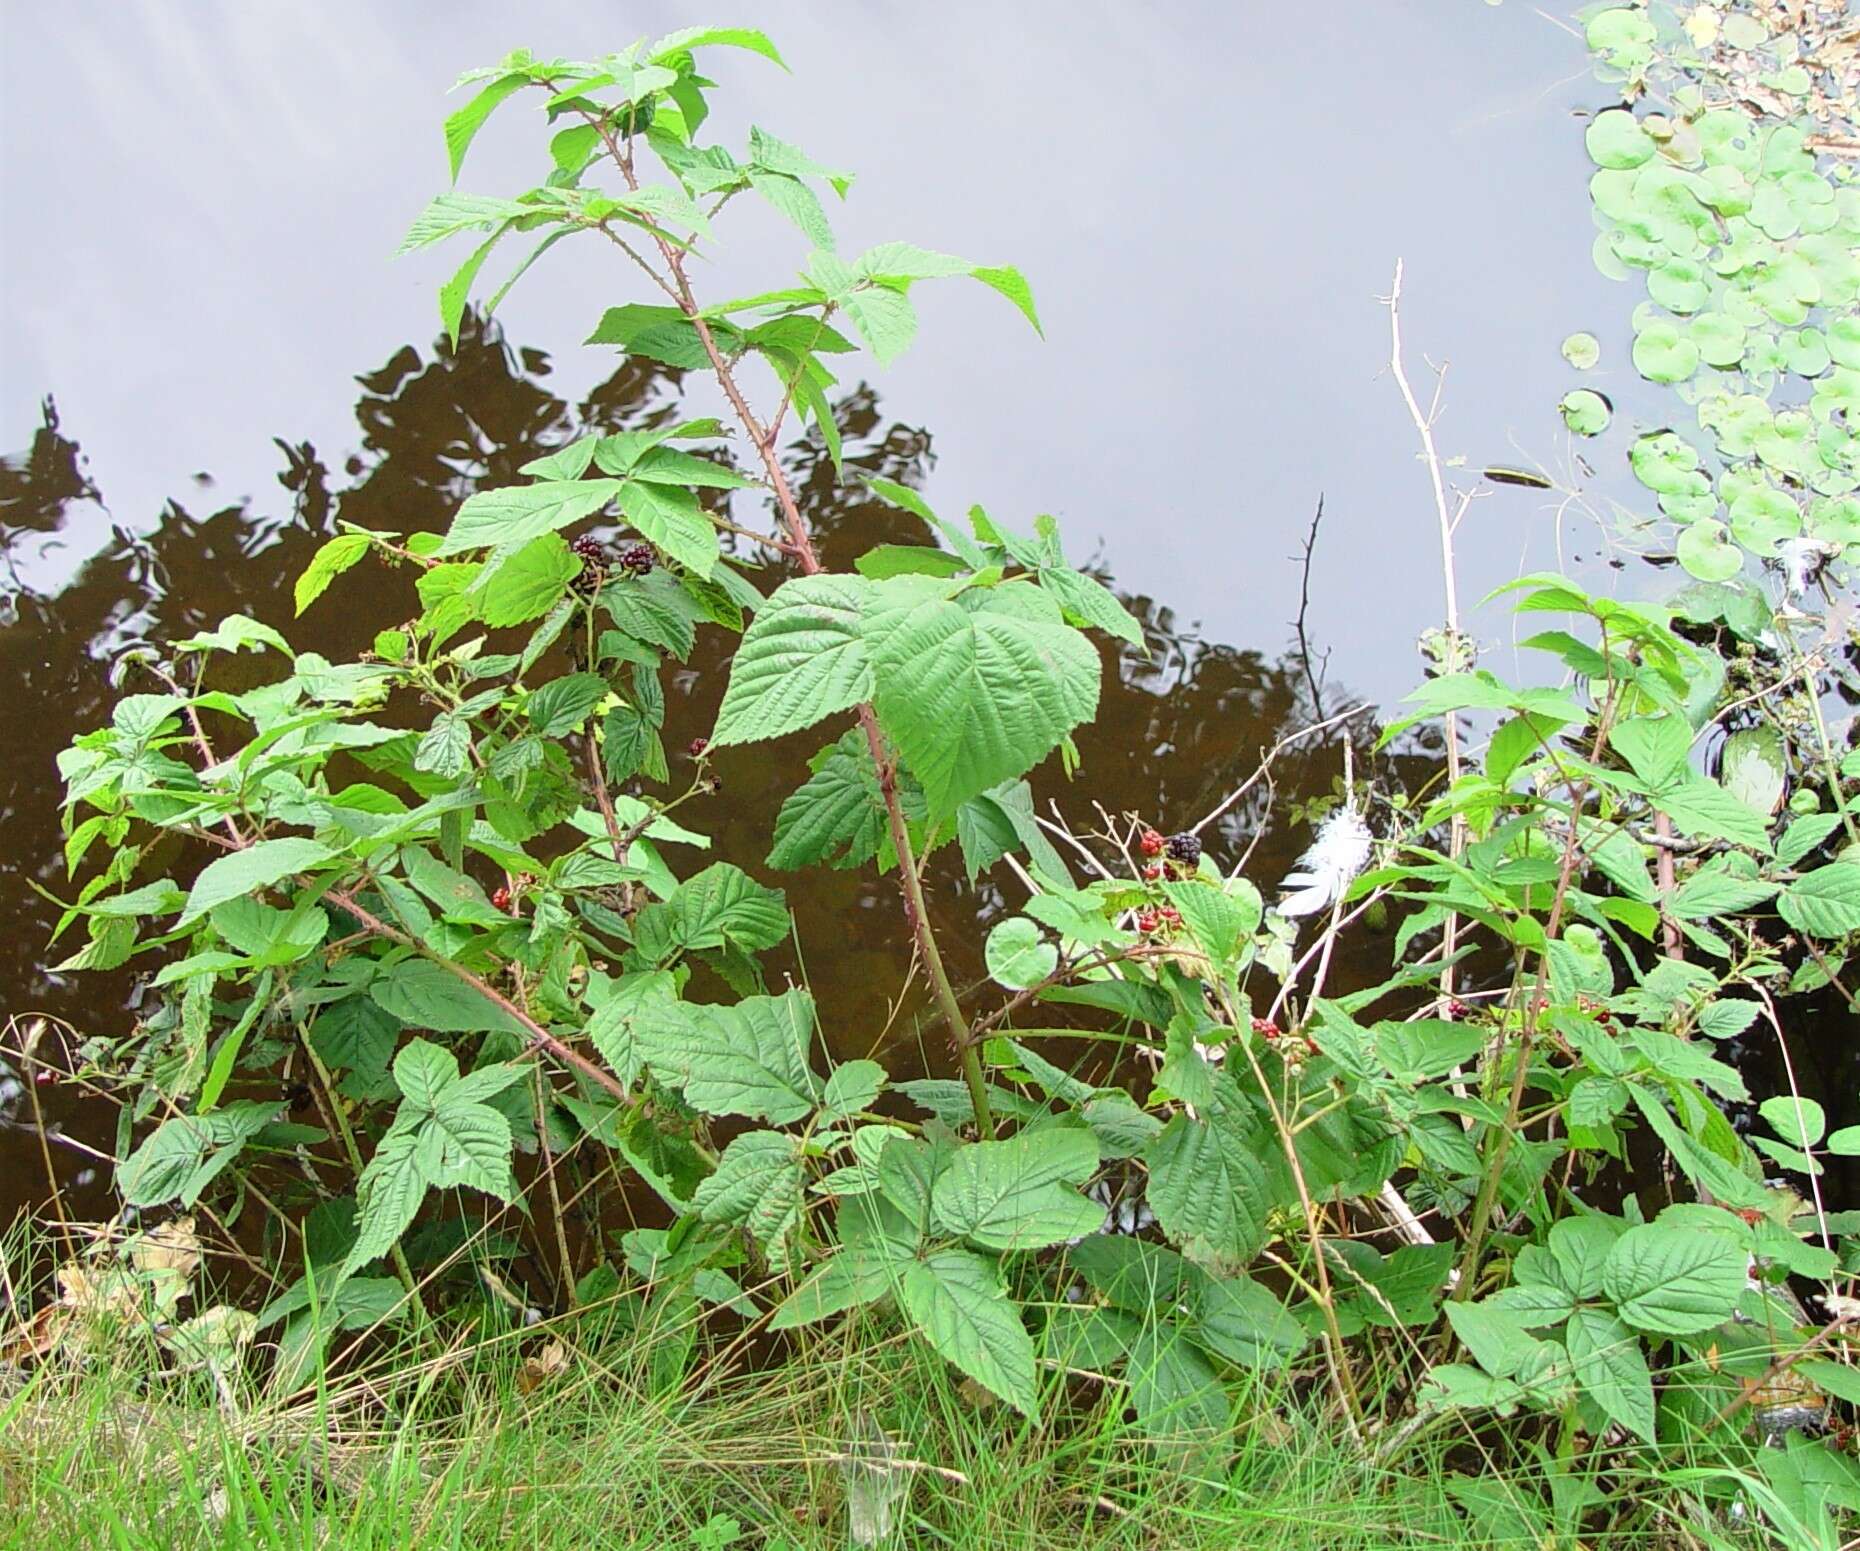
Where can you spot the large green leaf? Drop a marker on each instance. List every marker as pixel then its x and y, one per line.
pixel 427 995
pixel 1179 1402
pixel 1824 902
pixel 1243 1322
pixel 973 691
pixel 389 1194
pixel 958 1303
pixel 802 659
pixel 1669 1279
pixel 528 584
pixel 837 815
pixel 469 1144
pixel 509 518
pixel 1017 1194
pixel 258 866
pixel 1612 1368
pixel 749 1058
pixel 758 1184
pixel 669 515
pixel 720 906
pixel 1208 1189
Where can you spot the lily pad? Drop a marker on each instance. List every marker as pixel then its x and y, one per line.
pixel 1586 412
pixel 1720 339
pixel 1663 354
pixel 1704 552
pixel 1680 285
pixel 1582 350
pixel 1616 139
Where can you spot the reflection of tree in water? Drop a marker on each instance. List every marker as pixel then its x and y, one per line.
pixel 1175 731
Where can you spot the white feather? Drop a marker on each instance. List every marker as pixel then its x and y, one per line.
pixel 1339 853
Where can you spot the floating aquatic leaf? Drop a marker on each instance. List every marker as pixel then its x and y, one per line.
pixel 1586 412
pixel 1582 350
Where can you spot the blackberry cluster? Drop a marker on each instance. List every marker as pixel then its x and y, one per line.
pixel 637 559
pixel 1184 848
pixel 593 555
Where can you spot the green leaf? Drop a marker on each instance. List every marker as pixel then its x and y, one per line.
pixel 258 866
pixel 527 585
pixel 463 125
pixel 425 995
pixel 956 1300
pixel 1824 902
pixel 1218 919
pixel 803 658
pixel 973 694
pixel 1208 1189
pixel 466 1144
pixel 1611 1366
pixel 508 518
pixel 1180 1405
pixel 1701 807
pixel 1498 1342
pixel 850 1280
pixel 884 318
pixel 853 1086
pixel 1090 602
pixel 674 43
pixel 1799 1122
pixel 333 558
pixel 1672 1280
pixel 722 905
pixel 838 814
pixel 388 1196
pixel 1242 1322
pixel 758 1185
pixel 450 214
pixel 423 1071
pixel 670 517
pixel 1018 956
pixel 563 705
pixel 1017 1195
pixel 747 1059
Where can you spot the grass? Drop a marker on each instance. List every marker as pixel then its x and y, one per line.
pixel 611 1431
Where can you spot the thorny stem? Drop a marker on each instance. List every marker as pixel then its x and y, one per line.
pixel 802 547
pixel 539 1037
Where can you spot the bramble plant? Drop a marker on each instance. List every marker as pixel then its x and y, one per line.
pixel 451 893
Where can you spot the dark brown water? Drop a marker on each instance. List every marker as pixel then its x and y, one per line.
pixel 206 358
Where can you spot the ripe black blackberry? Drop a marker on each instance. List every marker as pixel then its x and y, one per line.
pixel 590 549
pixel 594 562
pixel 1184 848
pixel 637 559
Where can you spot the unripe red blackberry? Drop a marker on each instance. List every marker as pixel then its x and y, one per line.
pixel 1152 872
pixel 1148 921
pixel 697 747
pixel 637 559
pixel 1184 848
pixel 1150 843
pixel 501 899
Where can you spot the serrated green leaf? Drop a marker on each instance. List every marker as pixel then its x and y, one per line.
pixel 973 696
pixel 258 866
pixel 1208 1189
pixel 746 1059
pixel 506 519
pixel 758 1185
pixel 529 583
pixel 803 658
pixel 956 1301
pixel 671 518
pixel 1017 1194
pixel 1611 1366
pixel 1673 1281
pixel 1824 902
pixel 1018 956
pixel 329 562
